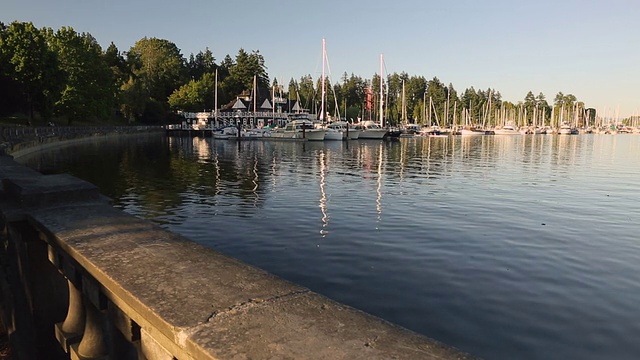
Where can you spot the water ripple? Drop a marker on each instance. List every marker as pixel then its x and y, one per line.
pixel 506 247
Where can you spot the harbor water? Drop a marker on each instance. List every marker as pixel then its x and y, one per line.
pixel 506 247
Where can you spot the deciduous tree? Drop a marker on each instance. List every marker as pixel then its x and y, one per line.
pixel 88 87
pixel 158 69
pixel 27 59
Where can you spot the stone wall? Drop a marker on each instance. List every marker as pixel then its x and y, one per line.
pixel 19 140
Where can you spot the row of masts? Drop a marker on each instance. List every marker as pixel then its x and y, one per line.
pixel 519 116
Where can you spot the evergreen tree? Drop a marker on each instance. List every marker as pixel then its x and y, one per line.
pixel 200 64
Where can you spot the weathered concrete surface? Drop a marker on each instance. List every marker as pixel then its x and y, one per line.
pixel 49 189
pixel 198 303
pixel 308 325
pixel 160 279
pixel 9 169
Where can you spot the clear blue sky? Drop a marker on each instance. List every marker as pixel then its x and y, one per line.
pixel 589 48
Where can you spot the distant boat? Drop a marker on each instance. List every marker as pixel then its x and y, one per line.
pixel 506 130
pixel 540 130
pixel 472 131
pixel 371 130
pixel 565 129
pixel 225 133
pixel 332 133
pixel 347 131
pixel 394 132
pixel 300 129
pixel 429 131
pixel 258 133
pixel 410 129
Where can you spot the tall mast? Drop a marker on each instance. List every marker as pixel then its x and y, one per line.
pixel 215 100
pixel 455 110
pixel 404 110
pixel 324 54
pixel 381 93
pixel 446 111
pixel 424 109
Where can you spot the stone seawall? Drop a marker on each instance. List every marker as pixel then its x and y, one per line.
pixel 80 279
pixel 18 140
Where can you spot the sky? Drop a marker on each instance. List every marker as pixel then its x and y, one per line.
pixel 588 48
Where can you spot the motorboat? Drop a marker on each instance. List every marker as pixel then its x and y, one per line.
pixel 371 130
pixel 225 133
pixel 566 129
pixel 300 129
pixel 333 134
pixel 506 130
pixel 472 131
pixel 348 131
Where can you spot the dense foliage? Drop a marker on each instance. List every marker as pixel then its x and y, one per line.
pixel 67 75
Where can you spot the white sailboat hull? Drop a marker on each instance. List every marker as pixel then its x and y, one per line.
pixel 372 133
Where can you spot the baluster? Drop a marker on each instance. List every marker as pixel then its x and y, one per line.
pixel 94 344
pixel 70 330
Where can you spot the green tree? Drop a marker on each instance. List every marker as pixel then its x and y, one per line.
pixel 529 105
pixel 469 101
pixel 88 88
pixel 197 95
pixel 544 110
pixel 452 98
pixel 158 69
pixel 307 93
pixel 118 64
pixel 200 64
pixel 242 72
pixel 27 59
pixel 415 89
pixel 353 95
pixel 437 96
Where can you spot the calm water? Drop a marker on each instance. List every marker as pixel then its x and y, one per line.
pixel 507 247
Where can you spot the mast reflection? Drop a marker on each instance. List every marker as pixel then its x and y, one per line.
pixel 379 187
pixel 323 195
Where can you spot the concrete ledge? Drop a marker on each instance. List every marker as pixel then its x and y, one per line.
pixel 197 303
pixel 308 325
pixel 49 189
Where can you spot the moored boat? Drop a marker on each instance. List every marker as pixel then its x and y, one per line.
pixel 566 129
pixel 225 133
pixel 300 129
pixel 472 131
pixel 371 130
pixel 348 131
pixel 506 130
pixel 333 134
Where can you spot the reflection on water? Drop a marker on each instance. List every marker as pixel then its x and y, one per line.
pixel 504 246
pixel 323 195
pixel 379 185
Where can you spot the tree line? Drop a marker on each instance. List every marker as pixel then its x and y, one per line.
pixel 65 74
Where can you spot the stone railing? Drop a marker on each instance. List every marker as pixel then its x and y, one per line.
pixel 18 138
pixel 83 280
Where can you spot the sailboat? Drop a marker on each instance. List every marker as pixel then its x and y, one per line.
pixel 301 126
pixel 370 129
pixel 331 133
